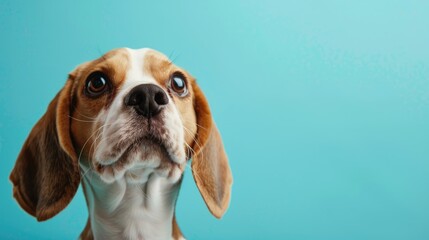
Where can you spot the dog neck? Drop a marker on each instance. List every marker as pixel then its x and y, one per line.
pixel 121 210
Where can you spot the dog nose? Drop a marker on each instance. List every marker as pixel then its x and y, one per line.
pixel 147 99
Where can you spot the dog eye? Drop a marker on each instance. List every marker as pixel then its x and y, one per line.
pixel 96 84
pixel 178 84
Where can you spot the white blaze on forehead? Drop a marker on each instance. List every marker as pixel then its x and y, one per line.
pixel 136 74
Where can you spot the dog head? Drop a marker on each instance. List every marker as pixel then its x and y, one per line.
pixel 126 115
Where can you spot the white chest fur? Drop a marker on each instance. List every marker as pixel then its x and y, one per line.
pixel 121 210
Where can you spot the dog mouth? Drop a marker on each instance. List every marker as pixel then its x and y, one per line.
pixel 148 153
pixel 146 146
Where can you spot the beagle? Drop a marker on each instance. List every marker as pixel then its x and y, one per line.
pixel 125 126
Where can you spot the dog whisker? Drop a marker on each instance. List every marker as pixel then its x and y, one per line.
pixel 80 120
pixel 85 116
pixel 97 131
pixel 198 125
pixel 196 142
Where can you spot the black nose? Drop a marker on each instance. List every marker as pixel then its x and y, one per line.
pixel 147 99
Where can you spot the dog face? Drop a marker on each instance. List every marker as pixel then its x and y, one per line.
pixel 134 115
pixel 128 114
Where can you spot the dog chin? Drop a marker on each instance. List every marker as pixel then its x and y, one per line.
pixel 141 161
pixel 138 176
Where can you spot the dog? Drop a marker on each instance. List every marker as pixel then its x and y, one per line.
pixel 124 126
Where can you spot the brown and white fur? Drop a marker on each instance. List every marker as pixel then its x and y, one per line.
pixel 130 165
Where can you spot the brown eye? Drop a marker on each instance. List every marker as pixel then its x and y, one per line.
pixel 96 84
pixel 178 84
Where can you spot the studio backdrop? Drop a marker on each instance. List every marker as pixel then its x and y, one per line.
pixel 323 107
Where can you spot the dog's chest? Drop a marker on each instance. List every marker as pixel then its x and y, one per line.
pixel 124 211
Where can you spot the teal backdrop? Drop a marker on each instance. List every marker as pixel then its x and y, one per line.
pixel 323 107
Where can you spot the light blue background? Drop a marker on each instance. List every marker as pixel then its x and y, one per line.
pixel 323 107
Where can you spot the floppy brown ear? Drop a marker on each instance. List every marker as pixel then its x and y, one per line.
pixel 46 174
pixel 210 166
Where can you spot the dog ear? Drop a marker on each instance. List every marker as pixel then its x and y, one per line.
pixel 46 174
pixel 210 166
